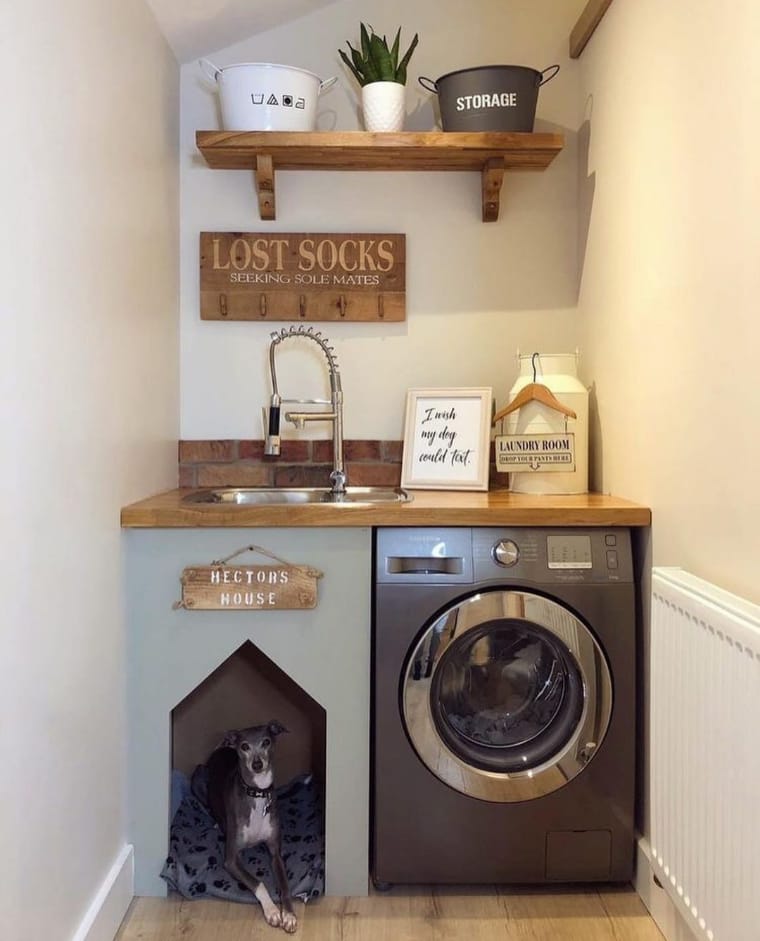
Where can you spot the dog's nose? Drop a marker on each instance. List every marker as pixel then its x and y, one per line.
pixel 257 764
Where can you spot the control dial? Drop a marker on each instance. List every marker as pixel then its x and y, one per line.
pixel 506 553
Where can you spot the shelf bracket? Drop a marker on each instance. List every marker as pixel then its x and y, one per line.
pixel 265 185
pixel 492 178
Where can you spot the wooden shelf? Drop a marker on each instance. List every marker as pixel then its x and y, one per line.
pixel 267 151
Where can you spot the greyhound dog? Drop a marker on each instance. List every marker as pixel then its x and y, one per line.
pixel 242 800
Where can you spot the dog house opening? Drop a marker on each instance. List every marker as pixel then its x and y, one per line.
pixel 247 689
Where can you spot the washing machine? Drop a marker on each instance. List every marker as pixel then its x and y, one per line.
pixel 503 705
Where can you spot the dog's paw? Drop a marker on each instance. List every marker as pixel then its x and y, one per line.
pixel 289 922
pixel 273 917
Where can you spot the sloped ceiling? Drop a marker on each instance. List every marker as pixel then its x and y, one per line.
pixel 199 27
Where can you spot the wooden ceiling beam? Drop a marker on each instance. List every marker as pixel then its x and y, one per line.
pixel 587 23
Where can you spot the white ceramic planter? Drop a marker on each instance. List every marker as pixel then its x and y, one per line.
pixel 384 106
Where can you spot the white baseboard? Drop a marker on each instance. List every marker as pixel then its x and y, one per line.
pixel 661 906
pixel 108 908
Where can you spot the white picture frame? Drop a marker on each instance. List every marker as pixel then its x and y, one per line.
pixel 447 439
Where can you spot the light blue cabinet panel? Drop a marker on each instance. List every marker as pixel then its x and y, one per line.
pixel 325 650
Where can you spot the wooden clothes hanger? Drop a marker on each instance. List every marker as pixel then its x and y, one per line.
pixel 534 392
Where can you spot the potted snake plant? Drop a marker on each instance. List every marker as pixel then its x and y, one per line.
pixel 382 77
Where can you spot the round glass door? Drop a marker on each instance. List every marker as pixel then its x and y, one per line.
pixel 506 696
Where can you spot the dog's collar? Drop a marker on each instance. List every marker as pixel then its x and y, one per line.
pixel 256 791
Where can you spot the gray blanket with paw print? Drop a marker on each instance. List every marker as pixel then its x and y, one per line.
pixel 195 865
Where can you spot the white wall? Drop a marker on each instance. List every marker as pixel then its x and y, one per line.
pixel 89 419
pixel 475 292
pixel 671 276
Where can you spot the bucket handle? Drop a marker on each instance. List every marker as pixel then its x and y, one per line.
pixel 433 87
pixel 327 83
pixel 547 78
pixel 208 68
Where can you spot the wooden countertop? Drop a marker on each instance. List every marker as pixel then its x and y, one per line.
pixel 427 508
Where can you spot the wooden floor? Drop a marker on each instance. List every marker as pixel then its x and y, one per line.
pixel 408 914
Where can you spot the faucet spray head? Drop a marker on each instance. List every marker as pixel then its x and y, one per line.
pixel 272 442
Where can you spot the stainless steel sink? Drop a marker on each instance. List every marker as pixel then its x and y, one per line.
pixel 252 496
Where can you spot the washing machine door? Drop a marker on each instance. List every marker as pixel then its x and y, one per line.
pixel 506 696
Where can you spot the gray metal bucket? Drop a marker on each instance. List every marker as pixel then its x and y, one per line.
pixel 489 97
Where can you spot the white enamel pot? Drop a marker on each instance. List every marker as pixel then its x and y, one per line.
pixel 262 96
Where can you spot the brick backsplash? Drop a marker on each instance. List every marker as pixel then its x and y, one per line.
pixel 233 463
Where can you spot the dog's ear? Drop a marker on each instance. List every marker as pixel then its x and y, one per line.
pixel 231 739
pixel 276 728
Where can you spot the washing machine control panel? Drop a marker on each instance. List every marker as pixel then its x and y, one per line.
pixel 552 555
pixel 464 555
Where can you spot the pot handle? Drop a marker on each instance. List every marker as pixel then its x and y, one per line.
pixel 547 78
pixel 433 87
pixel 211 72
pixel 327 83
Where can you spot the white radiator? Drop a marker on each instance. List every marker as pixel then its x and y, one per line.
pixel 705 754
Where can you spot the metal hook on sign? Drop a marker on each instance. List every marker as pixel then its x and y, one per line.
pixel 263 305
pixel 302 305
pixel 342 305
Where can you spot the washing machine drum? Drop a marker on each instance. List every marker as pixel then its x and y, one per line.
pixel 506 696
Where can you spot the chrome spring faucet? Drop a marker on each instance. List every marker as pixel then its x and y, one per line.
pixel 299 418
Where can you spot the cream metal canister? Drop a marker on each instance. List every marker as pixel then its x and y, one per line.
pixel 559 372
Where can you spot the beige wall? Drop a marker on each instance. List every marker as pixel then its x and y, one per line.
pixel 89 418
pixel 475 292
pixel 671 275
